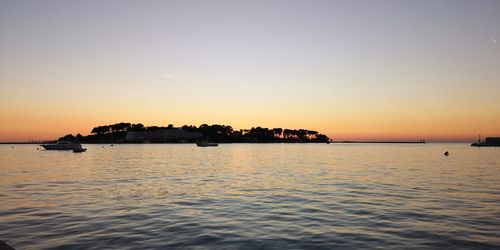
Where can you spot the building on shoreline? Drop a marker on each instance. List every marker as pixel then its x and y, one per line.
pixel 489 142
pixel 163 135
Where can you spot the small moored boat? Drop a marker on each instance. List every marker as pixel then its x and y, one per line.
pixel 206 144
pixel 79 150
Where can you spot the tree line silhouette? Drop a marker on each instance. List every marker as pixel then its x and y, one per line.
pixel 116 133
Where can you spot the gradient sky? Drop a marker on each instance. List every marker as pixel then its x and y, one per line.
pixel 358 70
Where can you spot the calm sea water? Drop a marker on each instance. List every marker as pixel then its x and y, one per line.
pixel 251 196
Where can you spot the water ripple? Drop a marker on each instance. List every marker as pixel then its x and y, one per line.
pixel 251 197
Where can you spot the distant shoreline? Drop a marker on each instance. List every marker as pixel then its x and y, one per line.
pixel 167 142
pixel 333 142
pixel 28 142
pixel 401 142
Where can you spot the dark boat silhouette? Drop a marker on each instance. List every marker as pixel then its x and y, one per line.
pixel 206 144
pixel 79 150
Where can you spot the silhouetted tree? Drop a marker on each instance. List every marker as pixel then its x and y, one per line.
pixel 277 132
pixel 152 128
pixel 261 134
pixel 79 137
pixel 190 128
pixel 321 138
pixel 287 133
pixel 100 130
pixel 137 127
pixel 68 137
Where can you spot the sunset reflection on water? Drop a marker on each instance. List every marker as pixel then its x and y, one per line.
pixel 250 195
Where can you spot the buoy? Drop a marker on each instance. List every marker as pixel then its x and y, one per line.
pixel 446 153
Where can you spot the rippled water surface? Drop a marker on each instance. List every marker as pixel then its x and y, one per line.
pixel 251 196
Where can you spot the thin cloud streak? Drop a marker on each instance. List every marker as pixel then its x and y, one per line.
pixel 176 78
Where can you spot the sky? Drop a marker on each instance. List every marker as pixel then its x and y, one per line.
pixel 353 70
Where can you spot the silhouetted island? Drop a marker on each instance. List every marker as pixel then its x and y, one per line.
pixel 138 133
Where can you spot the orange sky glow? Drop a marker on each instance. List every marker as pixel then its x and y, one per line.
pixel 357 70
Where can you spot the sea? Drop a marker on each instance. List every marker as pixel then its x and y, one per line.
pixel 251 196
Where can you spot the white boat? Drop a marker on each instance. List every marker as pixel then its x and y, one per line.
pixel 63 145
